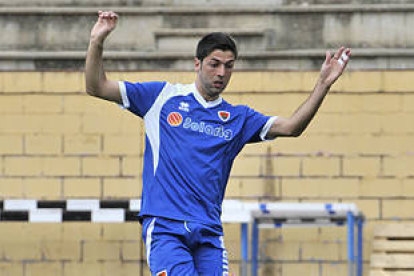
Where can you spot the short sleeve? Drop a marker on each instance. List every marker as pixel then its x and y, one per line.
pixel 256 126
pixel 139 97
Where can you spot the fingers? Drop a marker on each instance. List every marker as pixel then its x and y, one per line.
pixel 107 15
pixel 328 57
pixel 344 57
pixel 341 57
pixel 339 53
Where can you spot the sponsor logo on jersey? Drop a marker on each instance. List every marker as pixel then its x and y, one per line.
pixel 224 115
pixel 184 106
pixel 174 119
pixel 162 273
pixel 203 127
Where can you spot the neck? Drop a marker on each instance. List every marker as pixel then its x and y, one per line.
pixel 204 94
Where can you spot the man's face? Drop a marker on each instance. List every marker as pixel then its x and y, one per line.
pixel 214 72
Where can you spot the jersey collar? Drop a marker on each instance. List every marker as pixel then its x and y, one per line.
pixel 203 102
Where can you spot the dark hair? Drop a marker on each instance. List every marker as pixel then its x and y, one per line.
pixel 214 41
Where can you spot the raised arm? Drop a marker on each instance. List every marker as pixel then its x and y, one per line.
pixel 95 78
pixel 331 70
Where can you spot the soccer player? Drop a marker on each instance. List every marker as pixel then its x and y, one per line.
pixel 192 137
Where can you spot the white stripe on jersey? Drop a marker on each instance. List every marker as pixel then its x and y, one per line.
pixel 152 118
pixel 149 240
pixel 123 91
pixel 267 127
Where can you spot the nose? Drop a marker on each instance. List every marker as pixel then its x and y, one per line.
pixel 221 70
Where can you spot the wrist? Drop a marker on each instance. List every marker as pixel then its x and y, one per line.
pixel 322 84
pixel 321 88
pixel 96 41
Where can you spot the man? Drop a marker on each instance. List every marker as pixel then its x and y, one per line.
pixel 192 138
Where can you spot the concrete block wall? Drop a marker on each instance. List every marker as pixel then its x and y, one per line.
pixel 70 249
pixel 58 143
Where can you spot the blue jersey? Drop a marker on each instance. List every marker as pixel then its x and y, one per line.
pixel 190 148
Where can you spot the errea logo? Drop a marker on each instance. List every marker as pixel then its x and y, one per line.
pixel 184 106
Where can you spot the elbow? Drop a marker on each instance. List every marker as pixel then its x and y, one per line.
pixel 92 90
pixel 286 133
pixel 295 132
pixel 89 89
pixel 92 87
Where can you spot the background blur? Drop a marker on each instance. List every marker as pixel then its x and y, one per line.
pixel 58 143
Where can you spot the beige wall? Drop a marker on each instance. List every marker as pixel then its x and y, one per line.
pixel 57 143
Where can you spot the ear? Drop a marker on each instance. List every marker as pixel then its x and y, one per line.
pixel 197 64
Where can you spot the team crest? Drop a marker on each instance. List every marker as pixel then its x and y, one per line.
pixel 174 119
pixel 224 115
pixel 162 273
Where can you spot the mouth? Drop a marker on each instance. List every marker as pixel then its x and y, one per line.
pixel 218 84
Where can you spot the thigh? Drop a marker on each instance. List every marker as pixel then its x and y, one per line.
pixel 210 257
pixel 167 254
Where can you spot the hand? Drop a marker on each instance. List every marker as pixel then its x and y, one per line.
pixel 333 67
pixel 104 26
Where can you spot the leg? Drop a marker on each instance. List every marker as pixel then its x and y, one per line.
pixel 210 258
pixel 167 254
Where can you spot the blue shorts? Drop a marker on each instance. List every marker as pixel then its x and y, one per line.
pixel 179 248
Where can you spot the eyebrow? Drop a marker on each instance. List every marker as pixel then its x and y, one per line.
pixel 218 60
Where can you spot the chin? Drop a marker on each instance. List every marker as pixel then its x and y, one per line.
pixel 214 91
pixel 218 90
